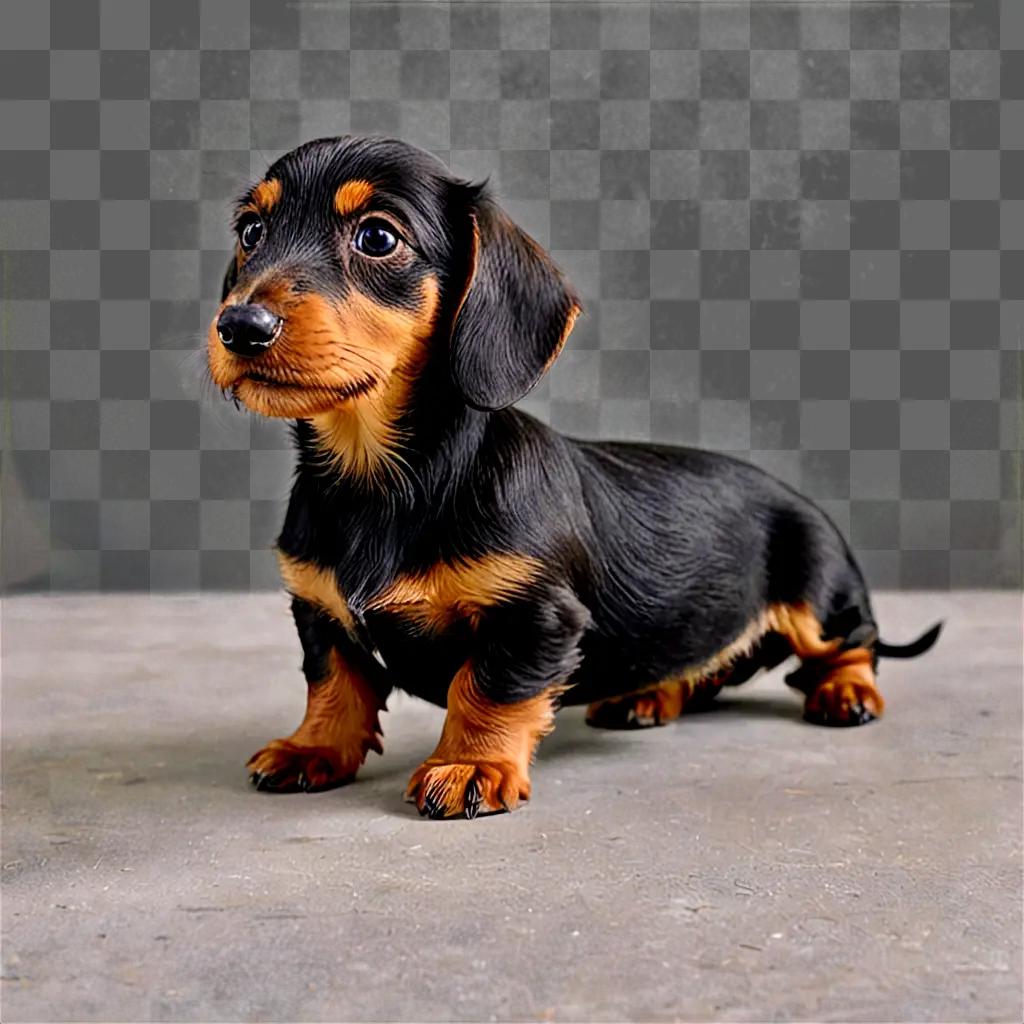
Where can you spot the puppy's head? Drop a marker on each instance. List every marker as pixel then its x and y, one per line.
pixel 358 262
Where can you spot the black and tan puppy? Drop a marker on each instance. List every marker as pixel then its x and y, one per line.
pixel 438 541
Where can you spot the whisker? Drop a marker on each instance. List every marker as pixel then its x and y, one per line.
pixel 357 356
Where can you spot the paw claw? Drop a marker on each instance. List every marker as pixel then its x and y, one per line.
pixel 471 800
pixel 465 790
pixel 861 714
pixel 432 808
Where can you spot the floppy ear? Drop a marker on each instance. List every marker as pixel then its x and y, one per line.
pixel 516 313
pixel 230 279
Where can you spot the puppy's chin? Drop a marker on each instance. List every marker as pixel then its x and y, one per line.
pixel 295 401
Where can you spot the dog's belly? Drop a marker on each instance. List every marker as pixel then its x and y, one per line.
pixel 424 662
pixel 702 652
pixel 613 666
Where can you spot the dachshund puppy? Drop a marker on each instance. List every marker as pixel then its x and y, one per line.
pixel 439 541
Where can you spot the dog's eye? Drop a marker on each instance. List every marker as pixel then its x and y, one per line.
pixel 250 231
pixel 376 238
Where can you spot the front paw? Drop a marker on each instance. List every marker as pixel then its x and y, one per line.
pixel 284 766
pixel 466 790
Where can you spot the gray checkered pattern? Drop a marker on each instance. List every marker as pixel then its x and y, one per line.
pixel 798 230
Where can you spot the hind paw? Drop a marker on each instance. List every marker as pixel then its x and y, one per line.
pixel 643 710
pixel 843 703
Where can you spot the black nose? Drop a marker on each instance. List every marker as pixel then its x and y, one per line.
pixel 247 330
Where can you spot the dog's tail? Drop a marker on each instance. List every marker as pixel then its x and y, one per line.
pixel 923 643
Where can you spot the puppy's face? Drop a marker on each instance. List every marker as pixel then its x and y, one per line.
pixel 341 254
pixel 356 260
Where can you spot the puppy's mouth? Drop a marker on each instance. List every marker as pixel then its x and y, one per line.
pixel 341 392
pixel 295 397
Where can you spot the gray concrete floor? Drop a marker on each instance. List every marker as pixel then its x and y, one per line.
pixel 737 865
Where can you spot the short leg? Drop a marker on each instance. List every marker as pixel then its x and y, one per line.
pixel 500 704
pixel 341 723
pixel 838 680
pixel 482 761
pixel 655 705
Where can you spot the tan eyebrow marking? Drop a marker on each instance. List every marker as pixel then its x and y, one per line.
pixel 352 195
pixel 266 194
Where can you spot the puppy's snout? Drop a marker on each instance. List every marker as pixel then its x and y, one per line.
pixel 248 330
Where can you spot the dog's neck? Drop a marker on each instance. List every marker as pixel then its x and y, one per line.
pixel 402 450
pixel 368 529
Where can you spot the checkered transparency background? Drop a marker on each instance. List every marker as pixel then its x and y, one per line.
pixel 798 230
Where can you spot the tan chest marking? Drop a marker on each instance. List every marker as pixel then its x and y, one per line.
pixel 316 585
pixel 434 599
pixel 451 591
